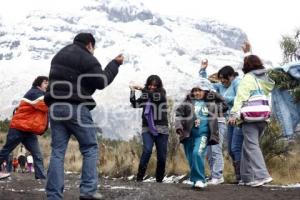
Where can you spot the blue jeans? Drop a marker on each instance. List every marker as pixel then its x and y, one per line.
pixel 30 141
pixel 195 152
pixel 286 111
pixel 67 120
pixel 161 143
pixel 235 142
pixel 215 154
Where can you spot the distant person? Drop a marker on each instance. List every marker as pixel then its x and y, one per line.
pixel 155 130
pixel 9 166
pixel 22 158
pixel 29 163
pixel 75 75
pixel 255 81
pixel 15 164
pixel 197 125
pixel 29 120
pixel 4 166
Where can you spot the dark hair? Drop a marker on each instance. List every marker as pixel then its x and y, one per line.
pixel 156 79
pixel 252 62
pixel 191 95
pixel 85 38
pixel 226 72
pixel 39 80
pixel 194 89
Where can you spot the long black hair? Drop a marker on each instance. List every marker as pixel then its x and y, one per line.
pixel 156 79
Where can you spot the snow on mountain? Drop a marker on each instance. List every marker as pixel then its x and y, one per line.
pixel 169 46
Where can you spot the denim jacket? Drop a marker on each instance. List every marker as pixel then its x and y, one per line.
pixel 286 111
pixel 284 108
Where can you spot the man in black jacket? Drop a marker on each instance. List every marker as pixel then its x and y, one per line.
pixel 75 74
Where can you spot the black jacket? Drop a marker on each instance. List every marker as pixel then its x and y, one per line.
pixel 185 117
pixel 75 74
pixel 159 104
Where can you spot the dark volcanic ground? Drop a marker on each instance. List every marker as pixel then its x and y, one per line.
pixel 23 186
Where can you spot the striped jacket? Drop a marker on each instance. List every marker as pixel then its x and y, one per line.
pixel 32 113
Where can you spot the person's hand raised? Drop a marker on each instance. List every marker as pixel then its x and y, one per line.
pixel 204 63
pixel 246 47
pixel 119 59
pixel 135 87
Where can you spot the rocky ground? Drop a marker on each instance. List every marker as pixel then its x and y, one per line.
pixel 23 186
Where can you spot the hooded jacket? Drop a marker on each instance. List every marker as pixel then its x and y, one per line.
pixel 185 116
pixel 248 86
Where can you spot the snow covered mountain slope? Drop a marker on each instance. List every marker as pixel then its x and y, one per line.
pixel 169 46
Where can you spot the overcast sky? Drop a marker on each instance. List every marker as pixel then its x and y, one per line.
pixel 263 21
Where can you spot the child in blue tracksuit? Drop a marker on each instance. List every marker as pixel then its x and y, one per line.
pixel 197 125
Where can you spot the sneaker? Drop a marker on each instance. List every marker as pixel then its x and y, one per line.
pixel 200 184
pixel 268 180
pixel 96 196
pixel 4 175
pixel 260 182
pixel 241 182
pixel 215 181
pixel 188 182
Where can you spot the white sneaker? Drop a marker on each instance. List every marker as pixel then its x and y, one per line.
pixel 260 182
pixel 241 182
pixel 215 181
pixel 268 180
pixel 200 184
pixel 188 182
pixel 4 175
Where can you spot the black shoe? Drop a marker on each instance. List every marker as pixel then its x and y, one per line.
pixel 139 179
pixel 95 196
pixel 140 175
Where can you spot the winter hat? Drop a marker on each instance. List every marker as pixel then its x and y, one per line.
pixel 85 38
pixel 203 84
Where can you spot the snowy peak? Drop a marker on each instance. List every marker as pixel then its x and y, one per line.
pixel 8 43
pixel 125 11
pixel 171 47
pixel 232 37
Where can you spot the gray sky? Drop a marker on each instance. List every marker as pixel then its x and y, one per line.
pixel 263 21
